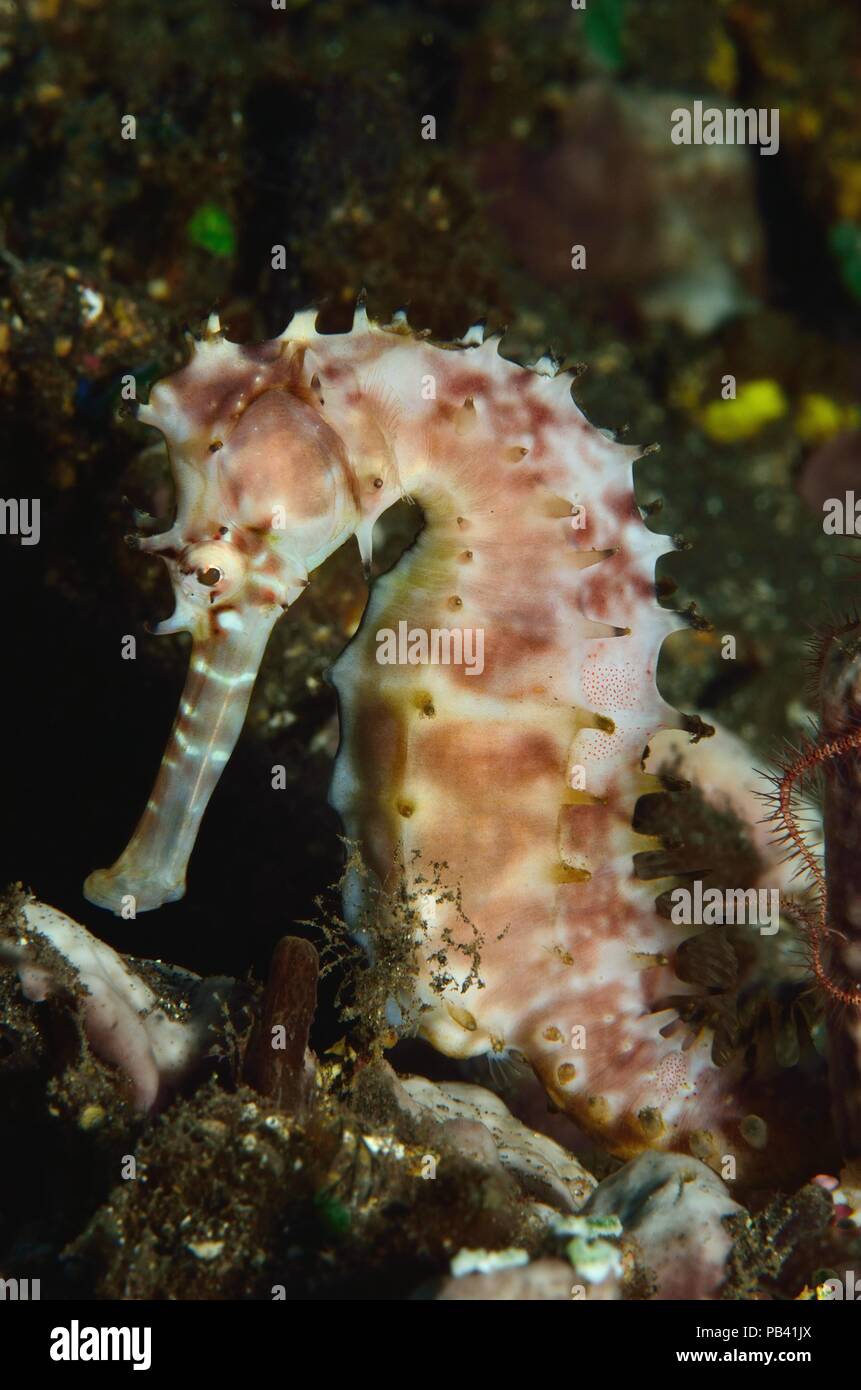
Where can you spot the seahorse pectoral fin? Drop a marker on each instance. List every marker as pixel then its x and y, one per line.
pixel 224 662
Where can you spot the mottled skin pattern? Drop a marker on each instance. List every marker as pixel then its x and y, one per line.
pixel 521 781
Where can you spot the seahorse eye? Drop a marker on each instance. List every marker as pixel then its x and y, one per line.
pixel 214 570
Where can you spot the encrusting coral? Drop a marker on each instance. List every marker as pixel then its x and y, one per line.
pixel 125 1020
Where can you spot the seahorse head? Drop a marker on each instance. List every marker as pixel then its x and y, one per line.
pixel 265 491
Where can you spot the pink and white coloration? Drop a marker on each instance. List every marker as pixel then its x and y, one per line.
pixel 521 780
pixel 123 1019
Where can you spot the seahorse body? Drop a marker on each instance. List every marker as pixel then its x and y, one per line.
pixel 521 778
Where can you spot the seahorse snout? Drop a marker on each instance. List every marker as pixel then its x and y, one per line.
pixel 224 663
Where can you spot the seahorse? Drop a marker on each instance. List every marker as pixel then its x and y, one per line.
pixel 521 777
